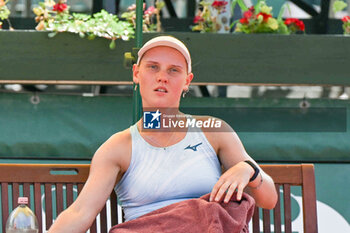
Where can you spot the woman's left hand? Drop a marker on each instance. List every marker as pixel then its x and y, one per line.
pixel 237 177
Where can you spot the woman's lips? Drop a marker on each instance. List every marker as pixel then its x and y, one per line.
pixel 161 89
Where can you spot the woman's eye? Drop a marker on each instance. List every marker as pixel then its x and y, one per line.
pixel 152 67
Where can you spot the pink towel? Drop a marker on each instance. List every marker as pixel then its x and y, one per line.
pixel 194 215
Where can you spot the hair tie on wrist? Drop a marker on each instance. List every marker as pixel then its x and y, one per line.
pixel 256 170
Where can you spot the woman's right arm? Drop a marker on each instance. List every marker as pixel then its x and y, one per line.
pixel 104 170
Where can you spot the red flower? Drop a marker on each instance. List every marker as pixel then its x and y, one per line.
pixel 219 4
pixel 59 7
pixel 198 19
pixel 265 16
pixel 293 21
pixel 248 14
pixel 244 21
pixel 346 19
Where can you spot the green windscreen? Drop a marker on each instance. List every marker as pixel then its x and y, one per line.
pixel 73 126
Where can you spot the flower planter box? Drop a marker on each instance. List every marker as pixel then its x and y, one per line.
pixel 32 57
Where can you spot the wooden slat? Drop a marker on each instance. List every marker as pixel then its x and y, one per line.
pixel 286 174
pixel 26 192
pixel 4 204
pixel 41 173
pixel 48 205
pixel 80 187
pixel 123 216
pixel 309 199
pixel 37 204
pixel 59 198
pixel 287 209
pixel 69 194
pixel 15 195
pixel 93 227
pixel 256 223
pixel 266 221
pixel 277 212
pixel 103 219
pixel 114 208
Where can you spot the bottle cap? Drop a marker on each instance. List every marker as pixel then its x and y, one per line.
pixel 23 200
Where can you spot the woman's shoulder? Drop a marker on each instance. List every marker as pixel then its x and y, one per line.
pixel 116 149
pixel 214 129
pixel 120 138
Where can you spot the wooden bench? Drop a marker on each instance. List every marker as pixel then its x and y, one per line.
pixel 52 189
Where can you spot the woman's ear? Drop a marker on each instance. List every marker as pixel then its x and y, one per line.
pixel 135 73
pixel 188 80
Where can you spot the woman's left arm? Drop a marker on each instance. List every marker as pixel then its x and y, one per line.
pixel 238 173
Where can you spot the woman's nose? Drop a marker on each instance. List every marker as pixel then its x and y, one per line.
pixel 162 77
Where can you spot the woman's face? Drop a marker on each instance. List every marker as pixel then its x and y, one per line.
pixel 162 77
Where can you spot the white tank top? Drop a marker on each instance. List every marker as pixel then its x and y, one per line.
pixel 158 177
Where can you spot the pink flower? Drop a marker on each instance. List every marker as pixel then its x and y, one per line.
pixel 150 11
pixel 132 7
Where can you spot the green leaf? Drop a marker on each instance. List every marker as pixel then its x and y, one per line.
pixel 233 23
pixel 101 24
pixel 283 29
pixel 242 5
pixel 258 5
pixel 52 34
pixel 160 5
pixel 91 36
pixel 4 13
pixel 339 6
pixel 204 3
pixel 265 9
pixel 272 23
pixel 233 5
pixel 112 44
pixel 280 14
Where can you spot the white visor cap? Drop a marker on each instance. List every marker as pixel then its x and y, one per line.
pixel 168 41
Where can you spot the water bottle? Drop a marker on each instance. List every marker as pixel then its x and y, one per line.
pixel 22 219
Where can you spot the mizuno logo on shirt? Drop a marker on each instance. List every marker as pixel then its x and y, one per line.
pixel 194 148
